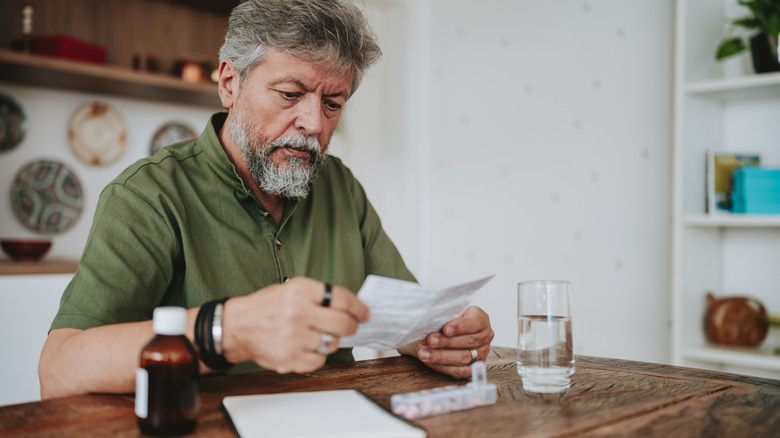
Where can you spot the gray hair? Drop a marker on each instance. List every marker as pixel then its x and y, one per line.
pixel 330 32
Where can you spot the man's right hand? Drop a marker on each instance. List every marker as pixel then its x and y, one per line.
pixel 280 327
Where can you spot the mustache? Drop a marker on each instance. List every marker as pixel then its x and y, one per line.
pixel 300 142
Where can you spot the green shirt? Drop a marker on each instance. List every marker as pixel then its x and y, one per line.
pixel 181 228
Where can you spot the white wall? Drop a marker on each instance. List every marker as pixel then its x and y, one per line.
pixel 549 158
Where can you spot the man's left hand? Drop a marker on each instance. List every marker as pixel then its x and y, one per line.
pixel 449 350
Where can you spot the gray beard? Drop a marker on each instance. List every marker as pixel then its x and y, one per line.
pixel 291 181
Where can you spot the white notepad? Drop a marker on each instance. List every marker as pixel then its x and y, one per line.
pixel 340 413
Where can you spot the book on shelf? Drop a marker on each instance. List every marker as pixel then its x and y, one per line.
pixel 719 177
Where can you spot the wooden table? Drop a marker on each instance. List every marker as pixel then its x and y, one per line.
pixel 608 397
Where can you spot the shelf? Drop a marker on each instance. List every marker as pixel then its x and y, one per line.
pixel 736 88
pixel 105 79
pixel 34 268
pixel 733 220
pixel 763 358
pixel 716 108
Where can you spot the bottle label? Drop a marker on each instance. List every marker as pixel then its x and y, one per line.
pixel 141 392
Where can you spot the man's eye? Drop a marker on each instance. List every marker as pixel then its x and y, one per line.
pixel 333 106
pixel 288 95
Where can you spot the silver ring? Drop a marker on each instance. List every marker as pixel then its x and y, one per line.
pixel 473 355
pixel 325 340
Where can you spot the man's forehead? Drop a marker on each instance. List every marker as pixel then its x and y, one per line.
pixel 283 68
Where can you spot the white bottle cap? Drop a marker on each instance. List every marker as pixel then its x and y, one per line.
pixel 170 320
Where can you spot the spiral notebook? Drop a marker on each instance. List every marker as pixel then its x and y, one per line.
pixel 339 413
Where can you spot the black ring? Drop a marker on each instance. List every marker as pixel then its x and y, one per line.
pixel 326 298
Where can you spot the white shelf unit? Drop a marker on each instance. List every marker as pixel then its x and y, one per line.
pixel 721 108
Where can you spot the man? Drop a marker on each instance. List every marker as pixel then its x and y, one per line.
pixel 252 211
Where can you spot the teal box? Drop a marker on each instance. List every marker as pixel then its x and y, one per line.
pixel 756 190
pixel 749 206
pixel 762 196
pixel 748 179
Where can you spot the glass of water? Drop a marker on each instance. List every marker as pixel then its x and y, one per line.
pixel 545 359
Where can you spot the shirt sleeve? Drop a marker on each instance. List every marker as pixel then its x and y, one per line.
pixel 381 257
pixel 126 266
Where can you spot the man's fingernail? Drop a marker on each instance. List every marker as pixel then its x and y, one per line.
pixel 424 354
pixel 449 331
pixel 434 341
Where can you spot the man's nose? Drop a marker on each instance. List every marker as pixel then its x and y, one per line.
pixel 309 118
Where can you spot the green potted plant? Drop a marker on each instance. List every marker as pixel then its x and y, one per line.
pixel 765 18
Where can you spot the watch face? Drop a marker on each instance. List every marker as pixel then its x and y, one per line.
pixel 47 197
pixel 13 123
pixel 170 133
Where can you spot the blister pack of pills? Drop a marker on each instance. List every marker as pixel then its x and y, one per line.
pixel 448 398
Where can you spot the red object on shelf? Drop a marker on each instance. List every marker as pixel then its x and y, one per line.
pixel 26 250
pixel 65 47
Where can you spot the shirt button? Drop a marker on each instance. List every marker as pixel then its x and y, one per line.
pixel 266 214
pixel 278 243
pixel 285 279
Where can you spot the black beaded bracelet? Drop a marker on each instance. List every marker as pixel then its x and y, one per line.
pixel 204 339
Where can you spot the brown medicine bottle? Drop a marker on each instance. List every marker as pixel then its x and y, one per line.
pixel 167 398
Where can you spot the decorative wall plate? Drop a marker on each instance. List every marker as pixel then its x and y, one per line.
pixel 97 133
pixel 170 133
pixel 13 123
pixel 47 197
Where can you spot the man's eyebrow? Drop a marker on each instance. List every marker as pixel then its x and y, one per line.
pixel 339 94
pixel 289 80
pixel 299 84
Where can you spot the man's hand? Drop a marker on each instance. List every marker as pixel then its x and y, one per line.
pixel 449 351
pixel 280 327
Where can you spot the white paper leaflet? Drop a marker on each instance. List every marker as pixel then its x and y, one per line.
pixel 403 311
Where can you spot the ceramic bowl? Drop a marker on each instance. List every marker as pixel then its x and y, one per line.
pixel 26 250
pixel 738 321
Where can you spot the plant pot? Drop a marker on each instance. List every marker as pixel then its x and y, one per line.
pixel 764 49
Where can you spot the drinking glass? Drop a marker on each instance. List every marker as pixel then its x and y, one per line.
pixel 545 359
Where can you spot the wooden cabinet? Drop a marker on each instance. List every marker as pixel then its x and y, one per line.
pixel 168 30
pixel 720 107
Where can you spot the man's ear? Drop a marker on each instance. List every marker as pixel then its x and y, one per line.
pixel 228 83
